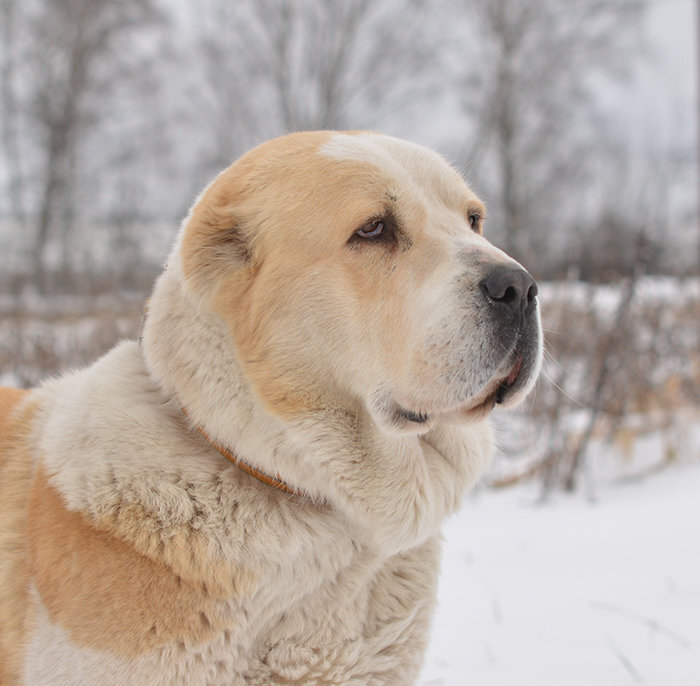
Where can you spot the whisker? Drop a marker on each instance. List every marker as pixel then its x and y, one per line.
pixel 548 355
pixel 565 393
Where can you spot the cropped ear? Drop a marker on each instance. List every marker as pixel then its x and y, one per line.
pixel 214 244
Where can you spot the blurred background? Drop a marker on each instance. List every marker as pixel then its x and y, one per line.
pixel 576 121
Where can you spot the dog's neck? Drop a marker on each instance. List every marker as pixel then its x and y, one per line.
pixel 190 354
pixel 251 470
pixel 338 457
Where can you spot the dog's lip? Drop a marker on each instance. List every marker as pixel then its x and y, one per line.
pixel 495 392
pixel 510 380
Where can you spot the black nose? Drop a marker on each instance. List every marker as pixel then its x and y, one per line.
pixel 510 288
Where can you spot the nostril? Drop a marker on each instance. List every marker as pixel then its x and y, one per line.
pixel 532 293
pixel 510 296
pixel 509 287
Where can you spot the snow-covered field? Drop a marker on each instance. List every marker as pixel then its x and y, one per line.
pixel 572 592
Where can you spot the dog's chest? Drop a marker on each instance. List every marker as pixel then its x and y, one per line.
pixel 366 625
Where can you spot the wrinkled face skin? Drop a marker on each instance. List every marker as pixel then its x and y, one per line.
pixel 352 272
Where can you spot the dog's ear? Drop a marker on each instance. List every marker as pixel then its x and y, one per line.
pixel 214 244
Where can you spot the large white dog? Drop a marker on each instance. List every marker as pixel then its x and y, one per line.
pixel 253 493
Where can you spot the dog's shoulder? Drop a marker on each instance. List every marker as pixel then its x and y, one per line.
pixel 13 422
pixel 10 400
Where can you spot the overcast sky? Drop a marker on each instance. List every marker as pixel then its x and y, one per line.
pixel 664 90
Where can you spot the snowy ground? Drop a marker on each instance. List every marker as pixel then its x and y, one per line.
pixel 572 592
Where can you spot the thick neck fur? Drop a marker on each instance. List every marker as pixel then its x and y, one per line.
pixel 404 486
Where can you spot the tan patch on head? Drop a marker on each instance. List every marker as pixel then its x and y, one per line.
pixel 296 298
pixel 106 594
pixel 223 229
pixel 15 477
pixel 291 207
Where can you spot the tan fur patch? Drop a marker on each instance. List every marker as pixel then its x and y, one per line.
pixel 15 477
pixel 281 178
pixel 186 552
pixel 9 400
pixel 80 571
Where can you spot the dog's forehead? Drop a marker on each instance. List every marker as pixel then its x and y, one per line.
pixel 399 160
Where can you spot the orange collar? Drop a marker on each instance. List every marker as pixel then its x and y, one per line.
pixel 273 481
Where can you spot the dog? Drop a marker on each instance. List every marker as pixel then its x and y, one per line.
pixel 253 492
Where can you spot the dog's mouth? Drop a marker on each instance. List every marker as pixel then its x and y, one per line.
pixel 509 383
pixel 497 392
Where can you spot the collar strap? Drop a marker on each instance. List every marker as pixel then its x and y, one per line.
pixel 273 481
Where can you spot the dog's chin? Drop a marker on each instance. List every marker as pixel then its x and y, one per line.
pixel 508 386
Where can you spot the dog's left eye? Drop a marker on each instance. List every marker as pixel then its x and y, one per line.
pixel 372 230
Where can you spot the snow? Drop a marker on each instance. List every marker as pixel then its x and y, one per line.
pixel 650 290
pixel 572 592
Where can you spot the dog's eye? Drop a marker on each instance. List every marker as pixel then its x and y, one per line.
pixel 372 230
pixel 379 232
pixel 474 221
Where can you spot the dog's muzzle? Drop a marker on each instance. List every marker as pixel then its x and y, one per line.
pixel 511 296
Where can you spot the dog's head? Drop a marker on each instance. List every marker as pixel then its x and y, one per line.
pixel 351 271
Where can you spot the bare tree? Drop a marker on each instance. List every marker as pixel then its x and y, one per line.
pixel 275 66
pixel 528 91
pixel 71 56
pixel 10 111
